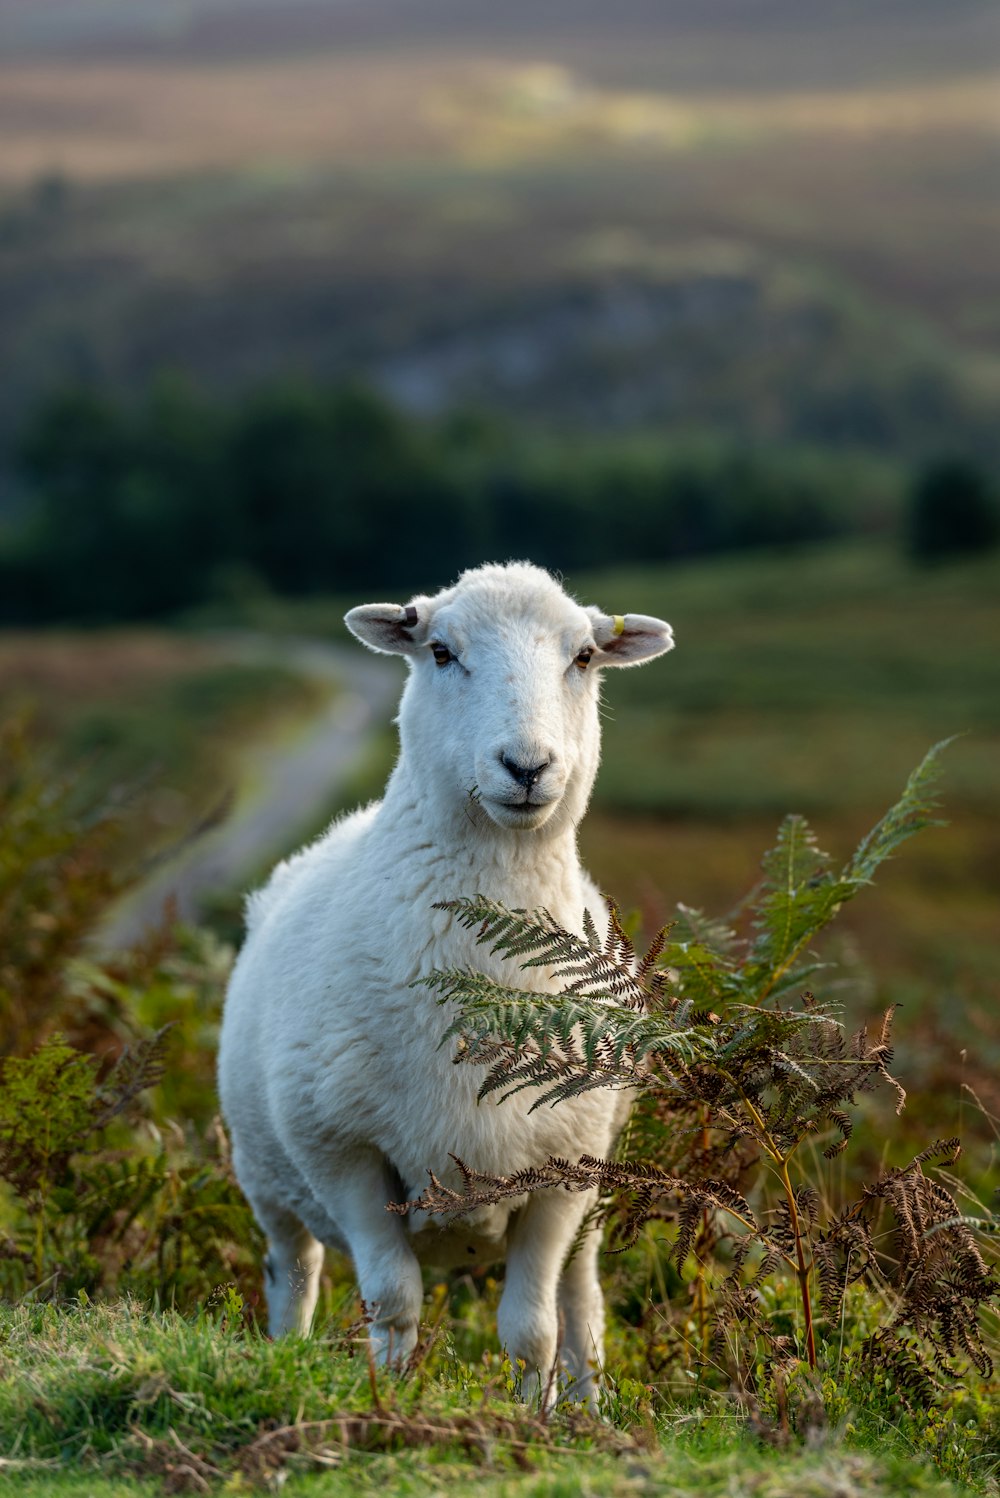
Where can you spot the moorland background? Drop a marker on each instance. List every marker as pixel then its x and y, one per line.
pixel 304 304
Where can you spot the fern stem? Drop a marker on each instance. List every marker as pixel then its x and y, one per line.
pixel 701 1289
pixel 802 1269
pixel 783 967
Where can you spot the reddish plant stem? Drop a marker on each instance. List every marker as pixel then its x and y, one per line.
pixel 802 1272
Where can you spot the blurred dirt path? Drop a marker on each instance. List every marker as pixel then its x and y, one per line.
pixel 280 783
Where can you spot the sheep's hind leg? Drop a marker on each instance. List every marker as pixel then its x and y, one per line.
pixel 354 1192
pixel 291 1271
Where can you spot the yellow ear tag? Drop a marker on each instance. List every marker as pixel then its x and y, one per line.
pixel 617 624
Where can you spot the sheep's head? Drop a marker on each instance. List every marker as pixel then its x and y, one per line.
pixel 503 691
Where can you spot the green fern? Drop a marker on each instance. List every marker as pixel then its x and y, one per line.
pixel 800 893
pixel 914 811
pixel 729 1074
pixel 607 969
pixel 508 1028
pixel 162 1217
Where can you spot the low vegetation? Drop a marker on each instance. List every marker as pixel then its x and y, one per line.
pixel 853 1340
pixel 728 1098
pixel 151 725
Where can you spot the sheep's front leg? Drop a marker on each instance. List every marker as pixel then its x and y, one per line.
pixel 581 1303
pixel 528 1319
pixel 354 1191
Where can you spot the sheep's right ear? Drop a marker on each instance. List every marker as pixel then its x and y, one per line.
pixel 393 628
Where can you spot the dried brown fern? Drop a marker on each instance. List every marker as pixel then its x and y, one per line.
pixel 938 1274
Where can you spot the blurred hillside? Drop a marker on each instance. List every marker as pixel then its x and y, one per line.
pixel 777 220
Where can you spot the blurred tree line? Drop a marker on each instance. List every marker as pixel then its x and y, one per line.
pixel 135 509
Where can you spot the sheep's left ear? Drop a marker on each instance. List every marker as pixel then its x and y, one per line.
pixel 629 639
pixel 392 628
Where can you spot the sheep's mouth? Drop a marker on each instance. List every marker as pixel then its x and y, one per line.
pixel 525 813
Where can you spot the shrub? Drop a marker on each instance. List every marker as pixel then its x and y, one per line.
pixel 58 877
pixel 738 1069
pixel 103 1191
pixel 953 510
pixel 98 1201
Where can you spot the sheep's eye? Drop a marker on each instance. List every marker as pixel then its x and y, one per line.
pixel 584 658
pixel 442 655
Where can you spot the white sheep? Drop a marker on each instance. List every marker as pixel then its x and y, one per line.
pixel 336 1090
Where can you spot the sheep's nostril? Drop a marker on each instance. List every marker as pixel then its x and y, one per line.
pixel 525 775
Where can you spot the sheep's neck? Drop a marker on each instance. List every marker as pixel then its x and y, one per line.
pixel 474 855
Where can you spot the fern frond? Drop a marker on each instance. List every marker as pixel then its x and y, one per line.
pixel 139 1066
pixel 708 978
pixel 799 894
pixel 649 1182
pixel 693 925
pixel 594 1033
pixel 797 897
pixel 535 939
pixel 914 811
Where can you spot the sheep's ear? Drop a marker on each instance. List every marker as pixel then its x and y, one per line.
pixel 629 639
pixel 393 628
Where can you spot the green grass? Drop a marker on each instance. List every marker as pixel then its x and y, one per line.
pixel 680 1473
pixel 114 1400
pixel 148 715
pixel 810 679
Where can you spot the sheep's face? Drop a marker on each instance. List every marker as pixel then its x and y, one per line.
pixel 500 714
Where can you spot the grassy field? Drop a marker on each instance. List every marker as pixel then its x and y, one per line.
pixel 149 718
pixel 813 682
pixel 809 678
pixel 142 1404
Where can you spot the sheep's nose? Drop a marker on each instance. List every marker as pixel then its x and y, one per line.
pixel 525 775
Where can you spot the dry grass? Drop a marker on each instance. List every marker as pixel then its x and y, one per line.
pixel 139 120
pixel 158 717
pixel 74 668
pixel 539 110
pixel 104 122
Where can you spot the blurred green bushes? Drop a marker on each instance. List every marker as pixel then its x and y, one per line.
pixel 57 879
pixel 104 1187
pixel 139 509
